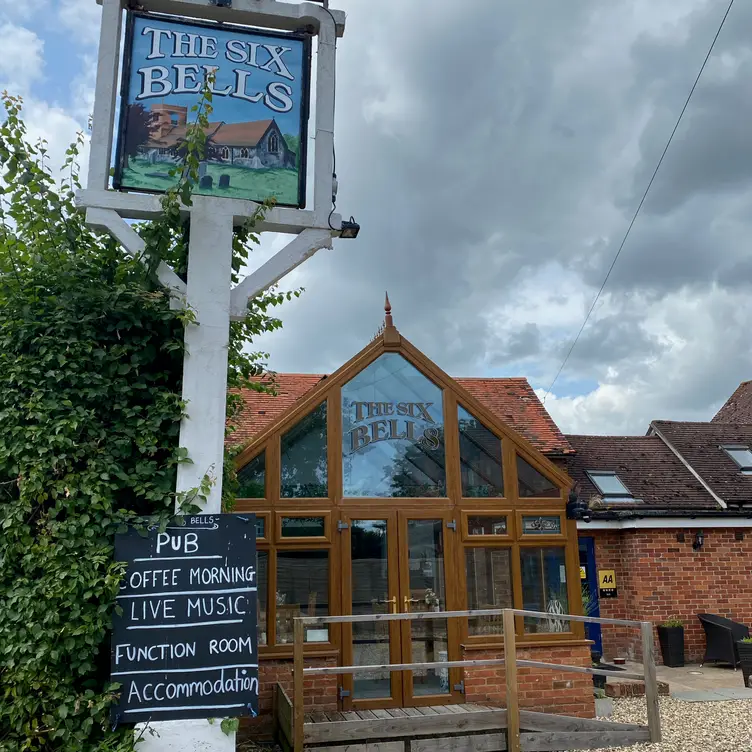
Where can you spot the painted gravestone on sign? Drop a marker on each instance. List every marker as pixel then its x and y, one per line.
pixel 185 644
pixel 256 137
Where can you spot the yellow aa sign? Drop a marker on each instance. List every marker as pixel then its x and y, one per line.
pixel 607 583
pixel 607 578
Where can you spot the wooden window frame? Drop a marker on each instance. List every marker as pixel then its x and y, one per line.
pixel 576 629
pixel 506 495
pixel 536 466
pixel 272 650
pixel 509 536
pixel 266 538
pixel 281 540
pixel 277 469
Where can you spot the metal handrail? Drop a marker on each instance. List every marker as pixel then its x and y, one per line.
pixel 423 615
pixel 509 662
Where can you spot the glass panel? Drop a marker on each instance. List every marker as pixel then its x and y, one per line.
pixel 609 484
pixel 544 588
pixel 303 527
pixel 251 478
pixel 302 590
pixel 480 458
pixel 741 455
pixel 489 585
pixel 370 595
pixel 486 524
pixel 392 432
pixel 532 484
pixel 304 458
pixel 260 527
pixel 548 525
pixel 262 568
pixel 425 550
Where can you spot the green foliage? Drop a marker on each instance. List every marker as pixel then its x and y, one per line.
pixel 230 725
pixel 746 639
pixel 90 409
pixel 672 622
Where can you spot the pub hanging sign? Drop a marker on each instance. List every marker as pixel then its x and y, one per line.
pixel 257 131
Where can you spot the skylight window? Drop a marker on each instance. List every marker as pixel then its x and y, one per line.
pixel 608 483
pixel 741 455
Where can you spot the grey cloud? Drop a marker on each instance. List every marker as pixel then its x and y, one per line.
pixel 479 140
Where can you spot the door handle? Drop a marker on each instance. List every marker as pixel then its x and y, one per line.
pixel 393 602
pixel 407 601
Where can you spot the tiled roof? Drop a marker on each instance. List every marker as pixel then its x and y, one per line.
pixel 644 464
pixel 512 400
pixel 241 134
pixel 261 408
pixel 738 407
pixel 699 444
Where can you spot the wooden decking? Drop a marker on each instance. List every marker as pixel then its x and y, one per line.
pixel 448 728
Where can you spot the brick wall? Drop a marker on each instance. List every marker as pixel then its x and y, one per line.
pixel 319 692
pixel 546 691
pixel 659 577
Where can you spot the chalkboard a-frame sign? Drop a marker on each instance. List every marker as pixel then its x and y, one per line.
pixel 185 644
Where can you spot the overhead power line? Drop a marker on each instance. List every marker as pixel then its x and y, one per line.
pixel 642 201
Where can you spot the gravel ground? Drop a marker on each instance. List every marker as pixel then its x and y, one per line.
pixel 691 726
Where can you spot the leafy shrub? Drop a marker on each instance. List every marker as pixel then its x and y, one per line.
pixel 90 409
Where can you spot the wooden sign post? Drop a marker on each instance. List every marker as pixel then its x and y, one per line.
pixel 208 291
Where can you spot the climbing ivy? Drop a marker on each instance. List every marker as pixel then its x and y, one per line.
pixel 90 406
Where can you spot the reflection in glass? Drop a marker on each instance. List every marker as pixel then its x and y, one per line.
pixel 533 484
pixel 425 549
pixel 486 524
pixel 262 569
pixel 302 590
pixel 392 432
pixel 303 449
pixel 480 458
pixel 544 588
pixel 251 478
pixel 489 585
pixel 260 526
pixel 303 527
pixel 370 595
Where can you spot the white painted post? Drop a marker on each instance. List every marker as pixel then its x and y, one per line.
pixel 202 431
pixel 105 93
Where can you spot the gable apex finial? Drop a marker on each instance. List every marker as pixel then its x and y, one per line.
pixel 388 321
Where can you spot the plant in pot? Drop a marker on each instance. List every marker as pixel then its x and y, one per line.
pixel 744 647
pixel 671 639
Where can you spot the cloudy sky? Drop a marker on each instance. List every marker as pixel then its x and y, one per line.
pixel 494 152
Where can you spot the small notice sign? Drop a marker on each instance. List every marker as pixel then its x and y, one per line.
pixel 607 583
pixel 583 573
pixel 185 643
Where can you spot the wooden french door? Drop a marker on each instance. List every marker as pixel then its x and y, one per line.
pixel 399 562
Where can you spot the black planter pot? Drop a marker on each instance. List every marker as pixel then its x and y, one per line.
pixel 671 640
pixel 745 657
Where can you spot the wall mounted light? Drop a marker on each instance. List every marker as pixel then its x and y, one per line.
pixel 349 229
pixel 699 540
pixel 577 509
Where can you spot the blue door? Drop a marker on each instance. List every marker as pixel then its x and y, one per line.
pixel 590 591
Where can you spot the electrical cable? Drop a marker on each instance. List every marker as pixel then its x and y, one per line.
pixel 325 6
pixel 639 206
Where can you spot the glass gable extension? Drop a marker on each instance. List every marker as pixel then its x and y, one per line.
pixel 392 432
pixel 389 492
